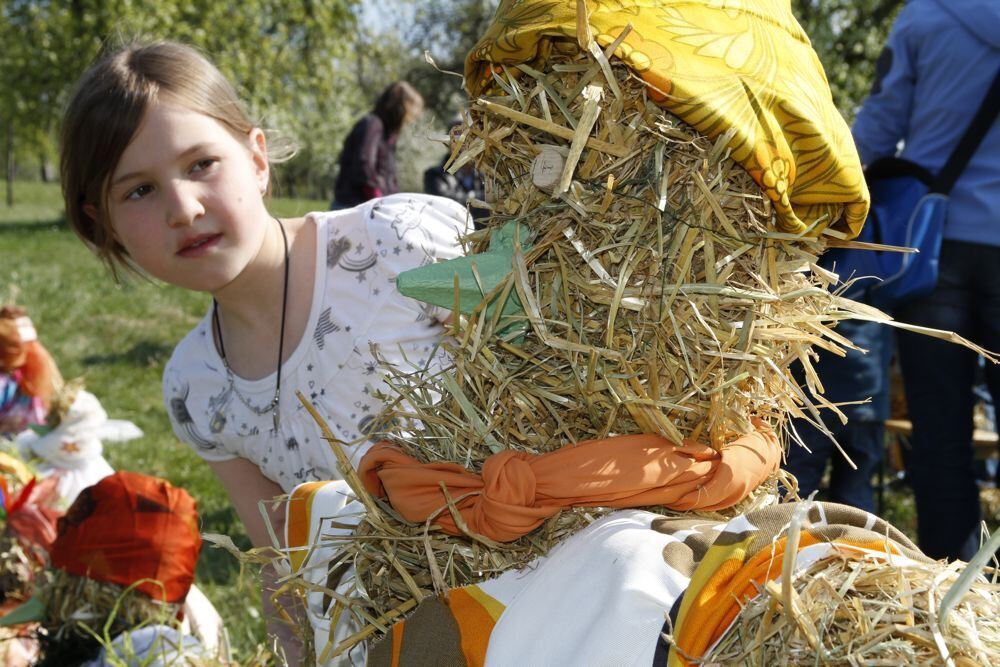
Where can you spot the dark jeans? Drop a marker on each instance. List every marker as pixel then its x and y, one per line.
pixel 938 378
pixel 862 440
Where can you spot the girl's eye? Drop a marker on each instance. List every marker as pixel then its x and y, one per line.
pixel 139 192
pixel 202 165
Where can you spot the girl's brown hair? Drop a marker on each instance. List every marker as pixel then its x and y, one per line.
pixel 104 113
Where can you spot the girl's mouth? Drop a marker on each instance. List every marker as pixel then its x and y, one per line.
pixel 199 245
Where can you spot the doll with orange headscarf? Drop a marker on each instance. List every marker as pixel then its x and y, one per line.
pixel 28 375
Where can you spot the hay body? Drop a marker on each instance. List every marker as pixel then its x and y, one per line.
pixel 84 607
pixel 17 571
pixel 657 298
pixel 866 612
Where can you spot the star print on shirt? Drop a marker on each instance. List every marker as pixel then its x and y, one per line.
pixel 324 327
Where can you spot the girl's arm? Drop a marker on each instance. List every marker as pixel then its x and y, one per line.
pixel 247 486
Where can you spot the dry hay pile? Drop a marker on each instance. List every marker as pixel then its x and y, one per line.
pixel 656 297
pixel 846 611
pixel 82 607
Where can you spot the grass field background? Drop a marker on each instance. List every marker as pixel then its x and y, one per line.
pixel 118 338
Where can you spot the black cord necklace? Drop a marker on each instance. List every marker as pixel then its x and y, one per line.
pixel 273 406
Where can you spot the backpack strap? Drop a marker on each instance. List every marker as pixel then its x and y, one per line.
pixel 970 141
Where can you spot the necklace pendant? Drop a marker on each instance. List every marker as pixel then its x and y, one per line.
pixel 274 414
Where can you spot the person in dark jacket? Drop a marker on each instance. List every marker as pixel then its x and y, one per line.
pixel 368 158
pixel 464 186
pixel 939 61
pixel 848 381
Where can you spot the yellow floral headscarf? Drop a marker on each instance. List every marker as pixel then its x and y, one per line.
pixel 740 66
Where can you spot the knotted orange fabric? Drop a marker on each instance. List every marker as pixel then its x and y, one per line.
pixel 518 491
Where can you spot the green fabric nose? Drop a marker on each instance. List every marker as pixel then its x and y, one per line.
pixel 435 283
pixel 28 612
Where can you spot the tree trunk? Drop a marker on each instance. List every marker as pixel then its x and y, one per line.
pixel 45 170
pixel 10 163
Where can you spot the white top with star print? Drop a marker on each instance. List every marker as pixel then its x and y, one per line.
pixel 355 304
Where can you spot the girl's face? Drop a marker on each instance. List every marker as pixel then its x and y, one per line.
pixel 186 198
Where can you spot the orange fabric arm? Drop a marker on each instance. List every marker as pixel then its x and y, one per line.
pixel 517 491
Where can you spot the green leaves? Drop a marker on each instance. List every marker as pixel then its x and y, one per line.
pixel 311 67
pixel 280 54
pixel 848 35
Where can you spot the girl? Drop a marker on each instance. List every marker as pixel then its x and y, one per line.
pixel 165 174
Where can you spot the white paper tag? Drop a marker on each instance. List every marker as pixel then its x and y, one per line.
pixel 25 329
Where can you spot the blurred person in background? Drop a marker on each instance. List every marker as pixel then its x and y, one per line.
pixel 940 60
pixel 368 158
pixel 464 186
pixel 848 381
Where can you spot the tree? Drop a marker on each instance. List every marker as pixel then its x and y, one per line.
pixel 282 55
pixel 311 67
pixel 848 36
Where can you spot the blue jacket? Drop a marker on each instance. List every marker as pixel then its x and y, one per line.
pixel 940 59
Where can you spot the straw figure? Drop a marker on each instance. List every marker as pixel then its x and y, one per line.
pixel 69 448
pixel 28 376
pixel 660 189
pixel 27 528
pixel 123 562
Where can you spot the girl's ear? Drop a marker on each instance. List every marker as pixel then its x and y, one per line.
pixel 258 153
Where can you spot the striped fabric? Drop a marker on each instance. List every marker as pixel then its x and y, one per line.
pixel 316 515
pixel 600 598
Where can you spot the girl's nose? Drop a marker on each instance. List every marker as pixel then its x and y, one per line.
pixel 184 204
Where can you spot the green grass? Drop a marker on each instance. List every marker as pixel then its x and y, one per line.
pixel 118 338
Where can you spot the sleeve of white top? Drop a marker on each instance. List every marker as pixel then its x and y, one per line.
pixel 417 230
pixel 176 399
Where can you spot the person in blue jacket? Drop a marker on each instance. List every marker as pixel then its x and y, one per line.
pixel 939 61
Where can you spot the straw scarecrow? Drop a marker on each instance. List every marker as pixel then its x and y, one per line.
pixel 28 376
pixel 69 447
pixel 27 529
pixel 123 562
pixel 662 178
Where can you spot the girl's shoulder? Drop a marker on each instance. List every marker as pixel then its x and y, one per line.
pixel 195 353
pixel 389 235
